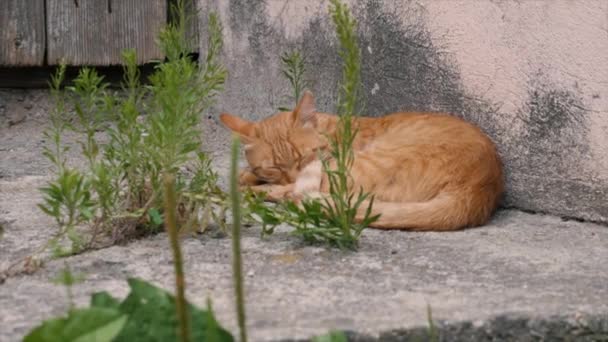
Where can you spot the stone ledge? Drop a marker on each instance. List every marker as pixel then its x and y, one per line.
pixel 481 283
pixel 501 328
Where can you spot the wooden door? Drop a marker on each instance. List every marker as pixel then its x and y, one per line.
pixel 22 36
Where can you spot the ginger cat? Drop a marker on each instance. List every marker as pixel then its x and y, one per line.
pixel 427 171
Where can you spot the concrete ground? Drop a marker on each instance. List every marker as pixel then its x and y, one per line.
pixel 523 277
pixel 521 265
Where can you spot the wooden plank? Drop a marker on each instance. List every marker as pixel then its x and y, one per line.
pixel 94 32
pixel 22 36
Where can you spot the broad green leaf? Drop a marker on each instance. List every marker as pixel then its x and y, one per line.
pixel 81 325
pixel 104 300
pixel 152 316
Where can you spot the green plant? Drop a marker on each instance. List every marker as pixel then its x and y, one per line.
pixel 125 150
pixel 311 219
pixel 343 204
pixel 201 196
pixel 179 93
pixel 91 324
pixel 180 279
pixel 88 94
pixel 237 270
pixel 433 334
pixel 68 199
pixel 332 219
pixel 319 222
pixel 293 68
pixel 257 211
pixel 120 192
pixel 54 133
pixel 148 313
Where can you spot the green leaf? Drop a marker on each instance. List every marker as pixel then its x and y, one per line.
pixel 48 210
pixel 104 300
pixel 86 212
pixel 81 325
pixel 152 316
pixel 214 333
pixel 155 217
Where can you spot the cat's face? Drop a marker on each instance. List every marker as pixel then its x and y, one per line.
pixel 278 147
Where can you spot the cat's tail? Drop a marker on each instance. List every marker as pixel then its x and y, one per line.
pixel 446 211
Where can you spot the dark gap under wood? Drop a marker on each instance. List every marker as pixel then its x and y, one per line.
pixel 38 77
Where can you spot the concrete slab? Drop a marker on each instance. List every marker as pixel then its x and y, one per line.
pixel 519 276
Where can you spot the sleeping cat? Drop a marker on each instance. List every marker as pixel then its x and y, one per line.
pixel 427 171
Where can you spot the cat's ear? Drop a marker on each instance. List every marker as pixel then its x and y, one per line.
pixel 244 128
pixel 305 112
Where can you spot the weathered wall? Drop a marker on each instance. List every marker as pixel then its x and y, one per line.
pixel 532 74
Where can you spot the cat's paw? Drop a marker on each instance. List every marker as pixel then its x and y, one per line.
pixel 248 178
pixel 294 197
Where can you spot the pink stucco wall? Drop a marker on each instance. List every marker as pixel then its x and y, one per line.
pixel 533 74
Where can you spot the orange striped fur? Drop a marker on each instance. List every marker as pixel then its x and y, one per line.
pixel 427 171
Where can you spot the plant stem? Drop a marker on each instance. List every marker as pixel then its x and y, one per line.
pixel 70 294
pixel 180 283
pixel 236 239
pixel 433 337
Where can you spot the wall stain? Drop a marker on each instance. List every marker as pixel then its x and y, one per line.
pixel 553 112
pixel 410 70
pixel 555 139
pixel 403 69
pixel 243 13
pixel 550 156
pixel 248 17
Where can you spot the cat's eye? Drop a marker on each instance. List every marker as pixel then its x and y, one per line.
pixel 274 174
pixel 269 174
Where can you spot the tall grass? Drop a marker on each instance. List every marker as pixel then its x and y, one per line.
pixel 237 268
pixel 178 264
pixel 293 68
pixel 344 203
pixel 333 219
pixel 153 130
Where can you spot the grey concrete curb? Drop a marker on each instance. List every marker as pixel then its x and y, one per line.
pixel 501 328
